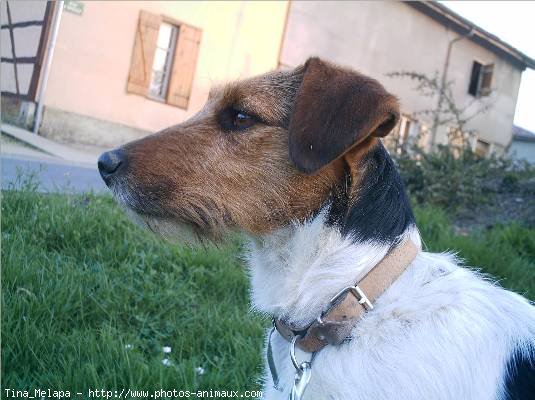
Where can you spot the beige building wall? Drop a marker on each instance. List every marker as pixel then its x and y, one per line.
pixel 382 37
pixel 93 53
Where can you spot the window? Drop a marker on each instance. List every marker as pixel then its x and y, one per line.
pixel 405 125
pixel 164 59
pixel 482 148
pixel 480 79
pixel 403 134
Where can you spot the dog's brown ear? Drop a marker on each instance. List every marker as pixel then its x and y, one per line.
pixel 336 109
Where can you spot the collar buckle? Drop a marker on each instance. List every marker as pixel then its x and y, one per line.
pixel 356 291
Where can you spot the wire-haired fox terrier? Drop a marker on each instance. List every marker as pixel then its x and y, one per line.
pixel 293 160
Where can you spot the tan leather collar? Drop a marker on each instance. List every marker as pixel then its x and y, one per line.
pixel 334 326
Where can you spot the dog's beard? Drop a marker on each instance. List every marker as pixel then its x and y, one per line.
pixel 167 229
pixel 151 216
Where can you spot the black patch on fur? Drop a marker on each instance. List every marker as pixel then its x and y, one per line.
pixel 520 380
pixel 381 211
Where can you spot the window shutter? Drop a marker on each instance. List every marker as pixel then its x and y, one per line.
pixel 184 63
pixel 473 89
pixel 486 79
pixel 143 54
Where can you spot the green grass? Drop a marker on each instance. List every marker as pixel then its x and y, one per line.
pixel 507 252
pixel 81 285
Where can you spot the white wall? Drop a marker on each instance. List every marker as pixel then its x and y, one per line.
pixel 381 37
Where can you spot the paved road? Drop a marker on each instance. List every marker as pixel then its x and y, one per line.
pixel 54 175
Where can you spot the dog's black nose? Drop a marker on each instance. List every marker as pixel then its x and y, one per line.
pixel 111 163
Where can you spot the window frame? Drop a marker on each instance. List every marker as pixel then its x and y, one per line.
pixel 475 86
pixel 169 61
pixel 487 70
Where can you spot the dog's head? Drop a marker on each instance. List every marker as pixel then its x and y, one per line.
pixel 263 152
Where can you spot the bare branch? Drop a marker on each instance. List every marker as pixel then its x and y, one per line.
pixel 448 112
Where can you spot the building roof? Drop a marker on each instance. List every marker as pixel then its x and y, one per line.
pixel 454 21
pixel 522 135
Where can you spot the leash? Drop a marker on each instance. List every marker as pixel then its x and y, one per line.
pixel 344 310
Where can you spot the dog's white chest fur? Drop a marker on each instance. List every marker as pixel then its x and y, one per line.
pixel 439 332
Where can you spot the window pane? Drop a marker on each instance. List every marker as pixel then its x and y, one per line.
pixel 164 36
pixel 160 56
pixel 156 84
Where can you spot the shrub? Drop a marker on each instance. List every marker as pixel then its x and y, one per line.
pixel 460 181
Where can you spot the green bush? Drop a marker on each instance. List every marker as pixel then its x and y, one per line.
pixel 460 181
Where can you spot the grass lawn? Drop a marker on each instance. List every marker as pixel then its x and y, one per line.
pixel 89 300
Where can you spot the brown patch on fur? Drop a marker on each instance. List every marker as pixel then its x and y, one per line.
pixel 354 160
pixel 214 180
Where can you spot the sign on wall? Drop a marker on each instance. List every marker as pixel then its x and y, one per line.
pixel 74 7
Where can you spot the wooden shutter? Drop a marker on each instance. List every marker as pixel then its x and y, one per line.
pixel 184 64
pixel 143 54
pixel 486 79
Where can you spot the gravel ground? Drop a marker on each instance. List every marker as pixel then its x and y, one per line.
pixel 515 205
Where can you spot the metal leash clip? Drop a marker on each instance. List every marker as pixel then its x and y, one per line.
pixel 271 361
pixel 302 374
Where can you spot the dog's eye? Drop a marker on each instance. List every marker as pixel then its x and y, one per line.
pixel 242 120
pixel 236 120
